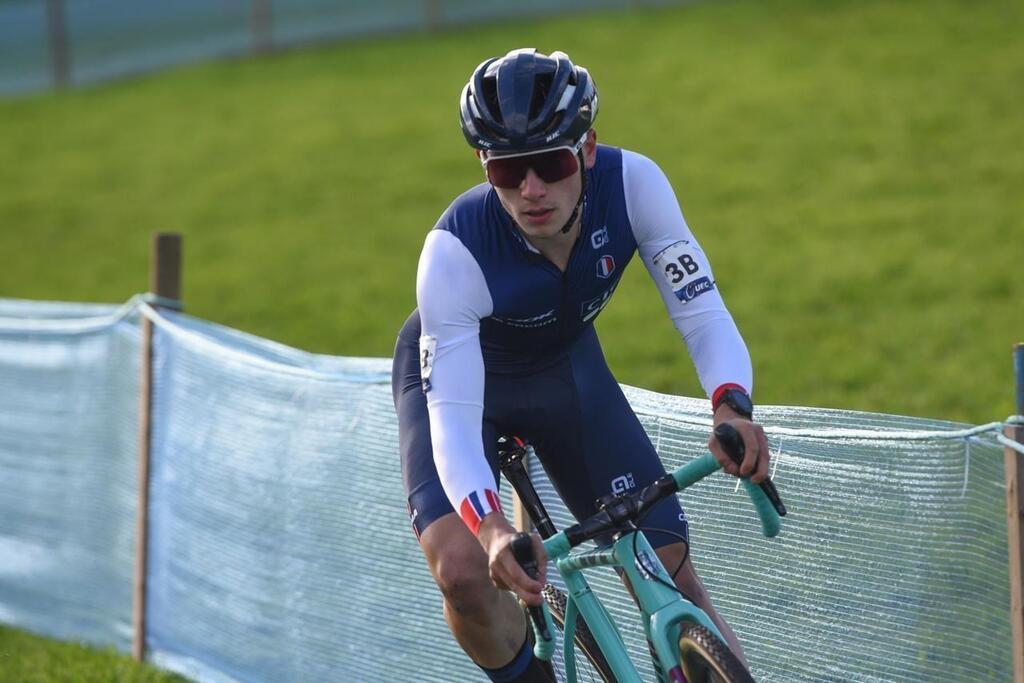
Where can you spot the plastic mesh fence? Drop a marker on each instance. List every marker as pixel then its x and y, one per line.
pixel 892 563
pixel 68 453
pixel 280 548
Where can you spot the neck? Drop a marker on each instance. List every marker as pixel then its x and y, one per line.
pixel 556 248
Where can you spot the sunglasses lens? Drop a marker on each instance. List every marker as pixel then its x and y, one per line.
pixel 509 172
pixel 556 165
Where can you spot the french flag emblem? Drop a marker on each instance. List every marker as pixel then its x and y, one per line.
pixel 605 266
pixel 476 506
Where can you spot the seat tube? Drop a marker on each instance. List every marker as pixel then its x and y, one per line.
pixel 513 466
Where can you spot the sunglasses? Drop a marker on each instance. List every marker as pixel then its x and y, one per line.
pixel 508 171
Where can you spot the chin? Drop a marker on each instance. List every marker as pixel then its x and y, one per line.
pixel 549 228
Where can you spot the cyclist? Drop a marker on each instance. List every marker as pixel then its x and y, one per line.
pixel 508 285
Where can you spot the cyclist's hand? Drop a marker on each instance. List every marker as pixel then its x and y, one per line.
pixel 755 459
pixel 496 536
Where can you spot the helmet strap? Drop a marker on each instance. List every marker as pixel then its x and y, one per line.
pixel 579 202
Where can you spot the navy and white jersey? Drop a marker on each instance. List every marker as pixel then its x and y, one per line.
pixel 491 303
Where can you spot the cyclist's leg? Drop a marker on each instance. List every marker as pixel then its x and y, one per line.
pixel 487 623
pixel 596 446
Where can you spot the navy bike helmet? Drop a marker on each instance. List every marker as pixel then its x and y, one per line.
pixel 527 100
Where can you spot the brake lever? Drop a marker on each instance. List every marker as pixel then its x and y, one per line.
pixel 732 444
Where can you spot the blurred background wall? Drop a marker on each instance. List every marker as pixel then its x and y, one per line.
pixel 45 43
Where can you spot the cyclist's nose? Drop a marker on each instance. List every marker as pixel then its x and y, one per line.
pixel 532 187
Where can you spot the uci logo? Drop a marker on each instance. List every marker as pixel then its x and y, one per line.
pixel 691 290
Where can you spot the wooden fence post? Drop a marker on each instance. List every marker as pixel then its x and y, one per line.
pixel 165 282
pixel 60 53
pixel 433 14
pixel 1014 464
pixel 261 18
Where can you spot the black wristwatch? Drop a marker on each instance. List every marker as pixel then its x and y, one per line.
pixel 738 400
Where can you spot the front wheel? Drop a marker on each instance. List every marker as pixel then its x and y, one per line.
pixel 706 659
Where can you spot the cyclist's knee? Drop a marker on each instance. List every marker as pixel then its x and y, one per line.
pixel 465 584
pixel 458 564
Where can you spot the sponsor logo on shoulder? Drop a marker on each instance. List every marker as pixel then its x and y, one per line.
pixel 599 238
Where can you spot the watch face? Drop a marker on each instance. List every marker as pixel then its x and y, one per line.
pixel 739 402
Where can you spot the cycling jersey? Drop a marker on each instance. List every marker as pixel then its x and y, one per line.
pixel 491 308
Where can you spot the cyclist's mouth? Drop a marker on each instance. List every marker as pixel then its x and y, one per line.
pixel 538 216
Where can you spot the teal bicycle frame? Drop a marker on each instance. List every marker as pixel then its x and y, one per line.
pixel 662 609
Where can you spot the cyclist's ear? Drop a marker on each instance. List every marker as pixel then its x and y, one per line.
pixel 590 148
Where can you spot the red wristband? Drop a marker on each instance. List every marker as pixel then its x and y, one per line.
pixel 716 397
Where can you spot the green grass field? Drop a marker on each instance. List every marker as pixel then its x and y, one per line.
pixel 853 169
pixel 26 658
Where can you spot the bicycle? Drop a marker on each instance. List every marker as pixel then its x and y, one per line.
pixel 686 646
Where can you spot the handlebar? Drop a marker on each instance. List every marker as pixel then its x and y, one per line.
pixel 734 447
pixel 628 508
pixel 522 550
pixel 619 512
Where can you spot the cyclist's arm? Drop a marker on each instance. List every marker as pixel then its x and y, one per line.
pixel 683 276
pixel 452 296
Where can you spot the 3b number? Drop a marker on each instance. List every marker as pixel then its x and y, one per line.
pixel 678 270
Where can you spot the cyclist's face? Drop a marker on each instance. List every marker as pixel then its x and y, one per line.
pixel 540 208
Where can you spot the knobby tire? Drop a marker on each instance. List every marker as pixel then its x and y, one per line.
pixel 706 659
pixel 584 640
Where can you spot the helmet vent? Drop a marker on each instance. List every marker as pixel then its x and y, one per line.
pixel 541 88
pixel 556 121
pixel 490 96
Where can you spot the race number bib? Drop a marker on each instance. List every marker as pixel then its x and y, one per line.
pixel 428 350
pixel 685 270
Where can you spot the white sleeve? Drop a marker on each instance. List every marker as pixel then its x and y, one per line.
pixel 683 276
pixel 452 296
